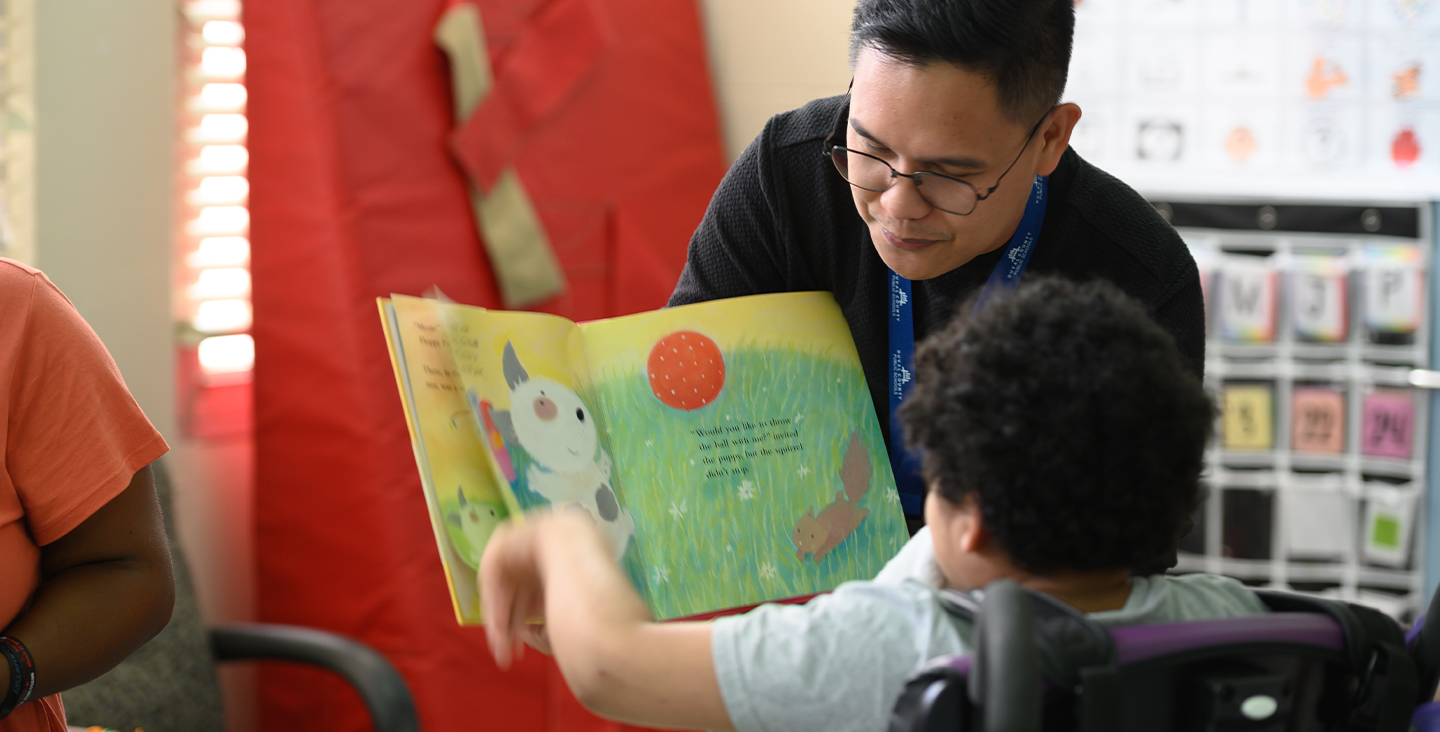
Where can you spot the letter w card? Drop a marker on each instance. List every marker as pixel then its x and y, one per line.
pixel 1247 300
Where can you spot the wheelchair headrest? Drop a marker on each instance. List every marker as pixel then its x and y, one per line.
pixel 1140 642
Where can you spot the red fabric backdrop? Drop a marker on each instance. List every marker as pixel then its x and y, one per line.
pixel 356 194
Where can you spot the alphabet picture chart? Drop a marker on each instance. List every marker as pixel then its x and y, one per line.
pixel 1299 94
pixel 1318 312
pixel 1295 146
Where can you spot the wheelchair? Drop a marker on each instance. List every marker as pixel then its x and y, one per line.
pixel 1309 665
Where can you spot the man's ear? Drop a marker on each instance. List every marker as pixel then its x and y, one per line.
pixel 1054 136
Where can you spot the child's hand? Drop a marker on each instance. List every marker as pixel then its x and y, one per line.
pixel 512 576
pixel 536 637
pixel 619 662
pixel 510 587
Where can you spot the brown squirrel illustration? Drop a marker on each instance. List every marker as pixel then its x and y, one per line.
pixel 817 535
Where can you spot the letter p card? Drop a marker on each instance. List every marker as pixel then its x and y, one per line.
pixel 1394 291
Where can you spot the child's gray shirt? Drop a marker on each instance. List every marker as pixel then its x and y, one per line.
pixel 840 661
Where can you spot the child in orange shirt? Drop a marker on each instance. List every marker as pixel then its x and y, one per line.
pixel 85 574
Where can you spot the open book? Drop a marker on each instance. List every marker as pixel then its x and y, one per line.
pixel 728 451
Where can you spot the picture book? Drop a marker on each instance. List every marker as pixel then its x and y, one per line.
pixel 464 501
pixel 728 451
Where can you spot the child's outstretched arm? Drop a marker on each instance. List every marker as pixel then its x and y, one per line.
pixel 616 659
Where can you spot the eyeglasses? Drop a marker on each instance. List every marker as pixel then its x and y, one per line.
pixel 948 194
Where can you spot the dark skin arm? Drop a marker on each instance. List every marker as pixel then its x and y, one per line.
pixel 106 588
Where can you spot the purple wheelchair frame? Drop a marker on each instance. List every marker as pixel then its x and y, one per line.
pixel 1278 671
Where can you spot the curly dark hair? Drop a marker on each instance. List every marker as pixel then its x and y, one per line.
pixel 1069 414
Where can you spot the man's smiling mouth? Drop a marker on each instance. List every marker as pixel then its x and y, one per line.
pixel 906 243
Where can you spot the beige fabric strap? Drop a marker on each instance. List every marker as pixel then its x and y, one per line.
pixel 524 262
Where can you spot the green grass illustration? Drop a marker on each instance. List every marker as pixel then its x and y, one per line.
pixel 706 541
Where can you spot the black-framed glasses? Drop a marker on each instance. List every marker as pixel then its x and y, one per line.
pixel 951 195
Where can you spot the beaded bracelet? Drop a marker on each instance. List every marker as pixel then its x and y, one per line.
pixel 22 674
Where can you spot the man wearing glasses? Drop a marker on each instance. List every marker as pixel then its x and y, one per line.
pixel 945 171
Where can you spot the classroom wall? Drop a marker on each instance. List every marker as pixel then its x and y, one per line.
pixel 104 110
pixel 768 56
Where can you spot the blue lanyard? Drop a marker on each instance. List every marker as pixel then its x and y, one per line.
pixel 1007 274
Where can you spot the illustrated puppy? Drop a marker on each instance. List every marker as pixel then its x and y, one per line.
pixel 558 431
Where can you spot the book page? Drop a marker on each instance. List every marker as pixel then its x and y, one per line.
pixel 747 445
pixel 527 384
pixel 465 502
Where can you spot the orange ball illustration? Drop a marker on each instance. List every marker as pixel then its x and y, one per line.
pixel 686 370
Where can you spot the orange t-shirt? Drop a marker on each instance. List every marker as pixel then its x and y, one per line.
pixel 73 438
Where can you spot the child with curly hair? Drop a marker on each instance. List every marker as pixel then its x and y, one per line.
pixel 1063 441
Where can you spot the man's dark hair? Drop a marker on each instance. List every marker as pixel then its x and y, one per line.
pixel 1070 416
pixel 1023 46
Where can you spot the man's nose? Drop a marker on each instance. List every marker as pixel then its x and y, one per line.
pixel 902 200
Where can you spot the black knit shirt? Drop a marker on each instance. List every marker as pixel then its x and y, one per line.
pixel 783 220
